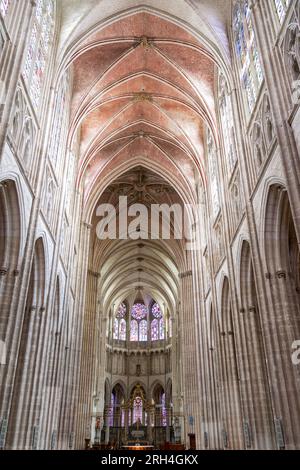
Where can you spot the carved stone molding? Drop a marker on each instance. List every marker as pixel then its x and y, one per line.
pixel 142 96
pixel 281 274
pixel 185 274
pixel 252 309
pixel 93 273
pixel 145 42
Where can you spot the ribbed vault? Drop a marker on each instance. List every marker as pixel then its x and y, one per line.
pixel 127 265
pixel 143 93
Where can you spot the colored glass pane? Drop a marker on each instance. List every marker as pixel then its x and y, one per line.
pixel 154 330
pixel 156 312
pixel 139 311
pixel 122 330
pixel 143 327
pixel 134 330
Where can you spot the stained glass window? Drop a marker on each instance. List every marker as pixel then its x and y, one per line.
pixel 156 312
pixel 164 411
pixel 226 115
pixel 120 326
pixel 39 10
pixel 281 8
pixel 213 174
pixel 60 122
pixel 4 5
pixel 143 333
pixel 30 52
pixel 161 329
pixel 38 49
pixel 134 330
pixel 121 311
pixel 139 325
pixel 170 328
pixel 116 329
pixel 137 410
pixel 154 330
pixel 111 411
pixel 139 311
pixel 251 73
pixel 122 329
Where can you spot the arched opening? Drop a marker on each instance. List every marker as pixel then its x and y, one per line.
pixel 31 360
pixel 232 432
pixel 258 422
pixel 53 374
pixel 10 245
pixel 117 417
pixel 159 398
pixel 216 396
pixel 282 320
pixel 282 252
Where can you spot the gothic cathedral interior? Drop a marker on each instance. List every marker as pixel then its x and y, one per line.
pixel 149 334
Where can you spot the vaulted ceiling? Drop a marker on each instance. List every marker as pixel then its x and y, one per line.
pixel 143 91
pixel 126 265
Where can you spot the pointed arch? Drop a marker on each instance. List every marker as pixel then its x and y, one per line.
pixel 31 360
pixel 255 385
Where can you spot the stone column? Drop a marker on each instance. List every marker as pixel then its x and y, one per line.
pixel 87 363
pixel 79 315
pixel 189 356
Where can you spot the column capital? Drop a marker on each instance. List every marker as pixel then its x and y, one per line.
pixel 253 3
pixel 185 274
pixel 94 273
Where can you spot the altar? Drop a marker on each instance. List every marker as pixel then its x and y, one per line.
pixel 137 438
pixel 137 447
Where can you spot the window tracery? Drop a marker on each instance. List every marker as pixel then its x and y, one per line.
pixel 262 134
pixel 60 120
pixel 137 414
pixel 38 50
pixel 227 124
pixel 139 311
pixel 4 7
pixel 213 174
pixel 251 73
pixel 157 323
pixel 291 52
pixel 281 7
pixel 236 202
pixel 140 326
pixel 119 325
pixel 134 330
